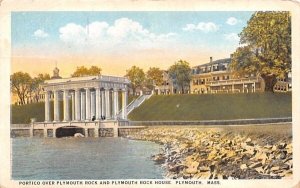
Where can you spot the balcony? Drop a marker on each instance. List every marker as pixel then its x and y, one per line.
pixel 232 81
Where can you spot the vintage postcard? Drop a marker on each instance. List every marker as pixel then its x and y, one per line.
pixel 149 93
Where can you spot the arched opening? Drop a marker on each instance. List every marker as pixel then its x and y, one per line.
pixel 68 131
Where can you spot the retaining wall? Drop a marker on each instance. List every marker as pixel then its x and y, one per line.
pixel 214 122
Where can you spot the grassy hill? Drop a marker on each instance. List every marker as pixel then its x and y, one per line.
pixel 22 114
pixel 214 107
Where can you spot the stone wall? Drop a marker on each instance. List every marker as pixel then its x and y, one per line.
pixel 38 133
pixel 214 122
pixel 19 133
pixel 106 132
pixel 123 132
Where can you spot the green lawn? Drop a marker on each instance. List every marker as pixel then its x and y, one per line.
pixel 22 114
pixel 214 107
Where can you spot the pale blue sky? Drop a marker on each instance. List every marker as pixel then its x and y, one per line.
pixel 24 24
pixel 130 37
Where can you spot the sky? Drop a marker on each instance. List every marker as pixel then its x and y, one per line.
pixel 115 41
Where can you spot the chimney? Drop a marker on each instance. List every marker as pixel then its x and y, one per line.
pixel 211 59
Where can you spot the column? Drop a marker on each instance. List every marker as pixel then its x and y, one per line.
pixel 66 106
pixel 73 105
pixel 232 88
pixel 82 106
pixel 107 103
pixel 124 104
pixel 254 87
pixel 115 107
pixel 56 106
pixel 77 105
pixel 96 132
pixel 243 88
pixel 54 133
pixel 45 132
pixel 87 104
pixel 86 132
pixel 93 104
pixel 103 103
pixel 47 107
pixel 98 114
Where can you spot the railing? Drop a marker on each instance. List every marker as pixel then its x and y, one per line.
pixel 113 78
pixel 87 78
pixel 135 103
pixel 233 81
pixel 20 126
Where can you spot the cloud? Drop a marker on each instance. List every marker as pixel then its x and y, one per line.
pixel 123 31
pixel 205 27
pixel 40 33
pixel 232 21
pixel 231 37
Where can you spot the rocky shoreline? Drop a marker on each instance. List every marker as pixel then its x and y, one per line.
pixel 216 153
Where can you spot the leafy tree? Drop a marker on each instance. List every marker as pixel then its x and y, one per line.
pixel 21 85
pixel 154 77
pixel 181 73
pixel 137 77
pixel 83 71
pixel 35 86
pixel 266 49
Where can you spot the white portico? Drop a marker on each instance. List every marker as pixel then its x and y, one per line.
pixel 90 98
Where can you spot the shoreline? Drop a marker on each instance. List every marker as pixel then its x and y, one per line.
pixel 218 152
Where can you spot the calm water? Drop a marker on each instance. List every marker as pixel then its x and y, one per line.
pixel 85 158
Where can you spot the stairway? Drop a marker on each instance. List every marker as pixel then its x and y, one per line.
pixel 135 103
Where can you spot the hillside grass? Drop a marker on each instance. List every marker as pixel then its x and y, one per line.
pixel 23 114
pixel 214 107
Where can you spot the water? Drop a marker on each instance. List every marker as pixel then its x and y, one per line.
pixel 85 158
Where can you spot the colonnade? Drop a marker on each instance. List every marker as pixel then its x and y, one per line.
pixel 87 104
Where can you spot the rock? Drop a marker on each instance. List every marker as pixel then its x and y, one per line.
pixel 212 168
pixel 256 165
pixel 230 154
pixel 285 167
pixel 78 135
pixel 275 168
pixel 282 155
pixel 268 146
pixel 204 169
pixel 282 145
pixel 260 170
pixel 243 166
pixel 193 168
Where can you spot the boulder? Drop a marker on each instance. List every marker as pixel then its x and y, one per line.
pixel 255 165
pixel 243 166
pixel 78 135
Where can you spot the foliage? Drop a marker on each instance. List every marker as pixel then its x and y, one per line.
pixel 26 87
pixel 35 89
pixel 266 49
pixel 180 72
pixel 136 76
pixel 83 71
pixel 21 85
pixel 154 77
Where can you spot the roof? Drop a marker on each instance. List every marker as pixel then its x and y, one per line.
pixel 219 61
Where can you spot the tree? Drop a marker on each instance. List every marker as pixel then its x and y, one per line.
pixel 266 49
pixel 136 76
pixel 83 71
pixel 35 86
pixel 21 85
pixel 181 73
pixel 154 77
